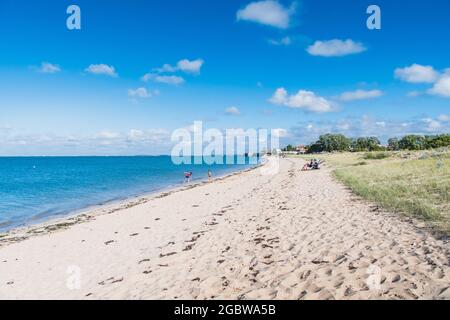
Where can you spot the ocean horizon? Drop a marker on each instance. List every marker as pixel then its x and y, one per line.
pixel 35 189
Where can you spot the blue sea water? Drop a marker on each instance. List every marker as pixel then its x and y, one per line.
pixel 34 189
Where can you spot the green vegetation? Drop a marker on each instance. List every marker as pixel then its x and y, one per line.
pixel 339 143
pixel 414 183
pixel 289 147
pixel 330 143
pixel 376 155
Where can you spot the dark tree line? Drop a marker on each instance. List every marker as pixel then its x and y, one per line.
pixel 339 142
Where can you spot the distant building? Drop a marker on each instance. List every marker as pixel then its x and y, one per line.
pixel 301 149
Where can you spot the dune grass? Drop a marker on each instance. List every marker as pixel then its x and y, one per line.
pixel 415 184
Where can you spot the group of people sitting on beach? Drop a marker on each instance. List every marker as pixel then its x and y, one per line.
pixel 314 164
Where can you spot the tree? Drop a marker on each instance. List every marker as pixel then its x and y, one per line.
pixel 366 144
pixel 289 148
pixel 393 144
pixel 412 142
pixel 330 143
pixel 432 142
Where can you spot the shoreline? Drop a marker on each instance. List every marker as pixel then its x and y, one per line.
pixel 249 236
pixel 64 220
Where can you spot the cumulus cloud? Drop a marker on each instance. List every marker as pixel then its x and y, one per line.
pixel 417 74
pixel 441 87
pixel 166 68
pixel 360 95
pixel 47 67
pixel 306 100
pixel 426 74
pixel 172 80
pixel 233 111
pixel 185 65
pixel 335 48
pixel 268 12
pixel 188 66
pixel 444 118
pixel 102 69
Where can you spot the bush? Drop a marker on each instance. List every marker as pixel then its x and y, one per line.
pixel 376 155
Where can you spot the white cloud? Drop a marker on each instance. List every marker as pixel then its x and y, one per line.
pixel 335 48
pixel 417 74
pixel 280 133
pixel 166 68
pixel 286 41
pixel 188 66
pixel 47 67
pixel 153 135
pixel 432 125
pixel 360 95
pixel 441 87
pixel 134 142
pixel 102 69
pixel 268 12
pixel 232 111
pixel 426 74
pixel 444 118
pixel 173 80
pixel 307 100
pixel 107 135
pixel 139 93
pixel 136 135
pixel 185 65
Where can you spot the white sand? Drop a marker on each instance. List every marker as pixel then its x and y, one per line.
pixel 294 235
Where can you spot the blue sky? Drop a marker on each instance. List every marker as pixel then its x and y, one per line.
pixel 307 67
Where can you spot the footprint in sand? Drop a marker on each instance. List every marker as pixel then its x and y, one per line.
pixel 110 281
pixel 167 255
pixel 144 260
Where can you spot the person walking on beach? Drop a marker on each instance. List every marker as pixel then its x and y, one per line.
pixel 209 175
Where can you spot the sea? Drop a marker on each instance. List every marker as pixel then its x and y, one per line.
pixel 36 189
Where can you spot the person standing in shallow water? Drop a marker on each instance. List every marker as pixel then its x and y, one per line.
pixel 209 175
pixel 187 176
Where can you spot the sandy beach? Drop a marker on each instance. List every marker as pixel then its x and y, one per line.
pixel 292 235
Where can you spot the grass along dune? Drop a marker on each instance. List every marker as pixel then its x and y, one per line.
pixel 412 183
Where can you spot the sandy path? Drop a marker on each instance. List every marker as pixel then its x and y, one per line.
pixel 294 235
